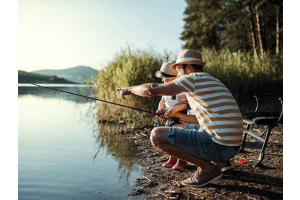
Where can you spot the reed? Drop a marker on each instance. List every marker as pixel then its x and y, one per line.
pixel 126 69
pixel 243 74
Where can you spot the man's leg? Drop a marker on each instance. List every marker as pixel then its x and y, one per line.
pixel 206 172
pixel 178 125
pixel 223 166
pixel 159 139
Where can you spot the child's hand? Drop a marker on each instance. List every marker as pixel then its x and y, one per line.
pixel 170 113
pixel 163 119
pixel 160 111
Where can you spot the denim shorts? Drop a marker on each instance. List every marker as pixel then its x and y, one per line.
pixel 194 140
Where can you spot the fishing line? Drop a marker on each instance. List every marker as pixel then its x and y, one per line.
pixel 95 99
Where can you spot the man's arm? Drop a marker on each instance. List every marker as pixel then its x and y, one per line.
pixel 186 118
pixel 171 112
pixel 152 89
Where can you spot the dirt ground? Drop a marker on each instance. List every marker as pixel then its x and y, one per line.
pixel 243 182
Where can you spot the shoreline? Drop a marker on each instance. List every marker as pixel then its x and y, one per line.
pixel 243 182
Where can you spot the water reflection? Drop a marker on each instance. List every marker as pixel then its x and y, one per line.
pixel 65 154
pixel 28 90
pixel 120 147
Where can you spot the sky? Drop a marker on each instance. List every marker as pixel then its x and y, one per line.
pixel 58 34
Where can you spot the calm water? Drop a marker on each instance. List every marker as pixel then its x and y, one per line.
pixel 64 154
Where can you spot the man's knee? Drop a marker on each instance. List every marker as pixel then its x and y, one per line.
pixel 158 135
pixel 154 136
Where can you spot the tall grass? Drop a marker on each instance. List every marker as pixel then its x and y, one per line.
pixel 126 69
pixel 240 72
pixel 245 75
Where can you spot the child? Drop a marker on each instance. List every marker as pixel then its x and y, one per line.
pixel 168 106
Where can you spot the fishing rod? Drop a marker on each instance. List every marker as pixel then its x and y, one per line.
pixel 95 99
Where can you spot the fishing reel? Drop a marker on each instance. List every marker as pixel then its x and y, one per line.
pixel 157 124
pixel 159 121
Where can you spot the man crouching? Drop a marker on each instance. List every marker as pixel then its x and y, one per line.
pixel 216 138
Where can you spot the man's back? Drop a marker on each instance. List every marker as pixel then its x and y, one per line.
pixel 216 111
pixel 214 106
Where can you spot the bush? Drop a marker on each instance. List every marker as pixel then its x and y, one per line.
pixel 126 69
pixel 240 72
pixel 244 75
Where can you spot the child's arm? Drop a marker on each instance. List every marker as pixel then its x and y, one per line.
pixel 183 118
pixel 170 113
pixel 161 106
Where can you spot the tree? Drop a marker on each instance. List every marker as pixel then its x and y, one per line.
pixel 202 24
pixel 235 24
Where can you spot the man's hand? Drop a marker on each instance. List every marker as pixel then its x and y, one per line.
pixel 124 91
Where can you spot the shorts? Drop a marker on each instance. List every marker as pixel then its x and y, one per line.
pixel 172 122
pixel 194 140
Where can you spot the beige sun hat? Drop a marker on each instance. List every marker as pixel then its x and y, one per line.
pixel 166 71
pixel 188 56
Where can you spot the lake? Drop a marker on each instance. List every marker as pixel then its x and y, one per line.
pixel 64 153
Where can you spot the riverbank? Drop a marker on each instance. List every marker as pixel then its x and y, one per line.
pixel 243 182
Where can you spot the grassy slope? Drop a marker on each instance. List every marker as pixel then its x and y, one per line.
pixel 79 74
pixel 26 77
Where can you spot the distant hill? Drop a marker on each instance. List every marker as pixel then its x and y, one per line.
pixel 79 74
pixel 27 77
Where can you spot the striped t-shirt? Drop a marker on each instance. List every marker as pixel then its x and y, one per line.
pixel 214 106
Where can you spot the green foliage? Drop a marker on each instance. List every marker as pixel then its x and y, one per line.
pixel 226 24
pixel 240 72
pixel 201 29
pixel 244 75
pixel 126 69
